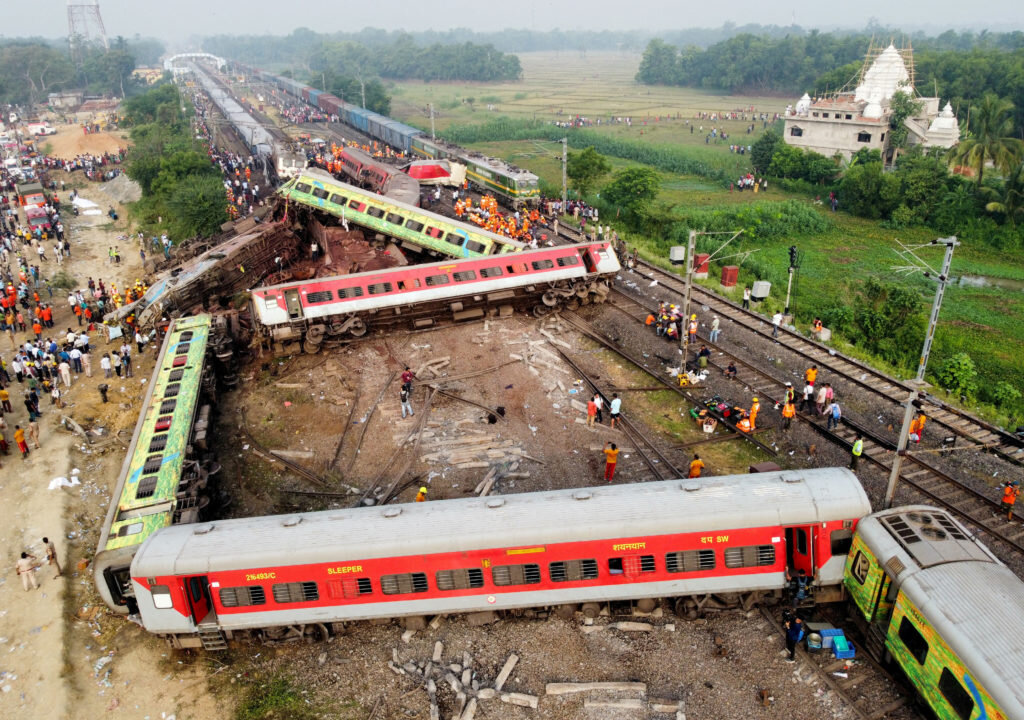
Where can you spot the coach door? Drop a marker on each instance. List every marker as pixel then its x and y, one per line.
pixel 291 298
pixel 198 591
pixel 799 550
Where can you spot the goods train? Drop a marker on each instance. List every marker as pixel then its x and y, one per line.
pixel 416 296
pixel 162 480
pixel 512 185
pixel 707 543
pixel 421 229
pixel 261 143
pixel 939 605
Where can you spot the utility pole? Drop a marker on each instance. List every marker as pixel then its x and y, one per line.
pixel 432 136
pixel 684 335
pixel 915 386
pixel 792 268
pixel 565 166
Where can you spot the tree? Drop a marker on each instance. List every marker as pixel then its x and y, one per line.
pixel 659 65
pixel 585 168
pixel 901 108
pixel 763 150
pixel 990 137
pixel 633 189
pixel 198 207
pixel 1009 202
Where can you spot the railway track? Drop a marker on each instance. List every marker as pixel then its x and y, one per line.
pixel 930 482
pixel 956 421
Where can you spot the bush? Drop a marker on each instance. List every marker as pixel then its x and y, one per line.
pixel 62 280
pixel 958 375
pixel 1005 395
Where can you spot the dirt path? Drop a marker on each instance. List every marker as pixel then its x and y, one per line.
pixel 53 639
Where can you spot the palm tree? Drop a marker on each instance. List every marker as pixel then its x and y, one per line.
pixel 990 137
pixel 1010 202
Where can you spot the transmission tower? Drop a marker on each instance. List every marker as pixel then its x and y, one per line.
pixel 85 27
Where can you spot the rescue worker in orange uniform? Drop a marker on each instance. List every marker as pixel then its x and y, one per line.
pixel 788 413
pixel 917 427
pixel 1011 489
pixel 755 408
pixel 421 496
pixel 696 465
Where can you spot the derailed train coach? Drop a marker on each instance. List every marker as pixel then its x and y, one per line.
pixel 710 543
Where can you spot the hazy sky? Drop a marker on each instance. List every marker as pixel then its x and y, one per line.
pixel 177 19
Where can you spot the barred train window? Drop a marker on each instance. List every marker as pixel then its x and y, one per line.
pixel 433 280
pixel 476 247
pixel 349 588
pixel 320 193
pixel 338 199
pixel 543 265
pixel 750 556
pixel 459 579
pixel 464 276
pixel 319 296
pixel 490 272
pixel 690 561
pixel 380 288
pixel 295 592
pixel 303 187
pixel 351 292
pixel 403 583
pixel 374 212
pixel 516 574
pixel 242 596
pixel 571 570
pixel 571 260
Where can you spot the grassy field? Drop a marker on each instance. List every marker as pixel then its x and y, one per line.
pixel 984 322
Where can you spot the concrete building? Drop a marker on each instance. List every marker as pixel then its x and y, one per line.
pixel 850 119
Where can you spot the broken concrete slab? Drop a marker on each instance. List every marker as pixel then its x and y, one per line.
pixel 570 688
pixel 506 670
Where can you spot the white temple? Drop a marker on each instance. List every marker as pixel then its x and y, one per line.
pixel 848 120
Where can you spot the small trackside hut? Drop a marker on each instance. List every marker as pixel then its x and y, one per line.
pixel 938 604
pixel 708 544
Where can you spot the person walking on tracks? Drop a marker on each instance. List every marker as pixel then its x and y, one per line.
pixel 611 458
pixel 615 408
pixel 794 634
pixel 788 413
pixel 404 397
pixel 51 556
pixel 835 414
pixel 1011 489
pixel 26 567
pixel 856 451
pixel 811 374
pixel 776 323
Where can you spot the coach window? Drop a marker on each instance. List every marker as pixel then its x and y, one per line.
pixel 403 583
pixel 320 193
pixel 958 698
pixel 542 264
pixel 295 592
pixel 356 205
pixel 374 212
pixel 395 219
pixel 161 597
pixel 490 272
pixel 349 588
pixel 433 280
pixel 571 570
pixel 631 565
pixel 242 596
pixel 462 579
pixel 750 556
pixel 517 268
pixel 338 199
pixel 379 288
pixel 690 561
pixel 914 640
pixel 434 232
pixel 476 247
pixel 841 541
pixel 146 487
pixel 861 566
pixel 319 296
pixel 351 292
pixel 414 225
pixel 303 187
pixel 528 574
pixel 464 276
pixel 403 285
pixel 570 260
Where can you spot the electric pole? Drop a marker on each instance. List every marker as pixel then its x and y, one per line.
pixel 792 268
pixel 565 166
pixel 432 136
pixel 915 386
pixel 684 334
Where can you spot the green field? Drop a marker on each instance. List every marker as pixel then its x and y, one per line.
pixel 984 322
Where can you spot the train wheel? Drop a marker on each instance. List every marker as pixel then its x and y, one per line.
pixel 591 609
pixel 358 328
pixel 540 311
pixel 315 333
pixel 310 348
pixel 550 298
pixel 646 604
pixel 686 608
pixel 572 304
pixel 566 612
pixel 317 632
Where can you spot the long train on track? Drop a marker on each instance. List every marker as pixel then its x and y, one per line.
pixel 418 296
pixel 162 481
pixel 513 185
pixel 420 229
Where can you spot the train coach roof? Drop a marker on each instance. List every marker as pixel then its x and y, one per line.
pixel 619 511
pixel 972 600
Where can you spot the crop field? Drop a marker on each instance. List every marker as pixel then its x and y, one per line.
pixel 560 85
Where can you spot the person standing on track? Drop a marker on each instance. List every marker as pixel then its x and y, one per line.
pixel 755 408
pixel 27 569
pixel 835 414
pixel 404 398
pixel 776 323
pixel 746 298
pixel 591 412
pixel 611 457
pixel 1011 489
pixel 599 403
pixel 696 466
pixel 811 375
pixel 715 329
pixel 917 427
pixel 615 408
pixel 794 634
pixel 788 412
pixel 856 451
